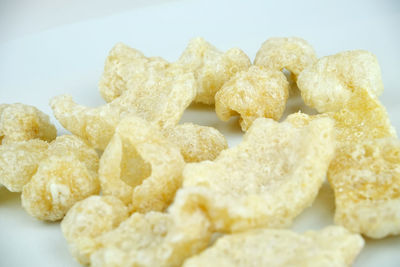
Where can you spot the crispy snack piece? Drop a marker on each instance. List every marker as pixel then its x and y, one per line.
pixel 366 181
pixel 197 143
pixel 329 84
pixel 152 239
pixel 127 68
pixel 254 93
pixel 140 166
pixel 291 53
pixel 331 246
pixel 211 67
pixel 19 122
pixel 66 176
pixel 161 100
pixel 275 160
pixel 87 220
pixel 19 162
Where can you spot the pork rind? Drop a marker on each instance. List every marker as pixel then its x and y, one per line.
pixel 67 175
pixel 255 93
pixel 331 246
pixel 19 122
pixel 161 100
pixel 255 178
pixel 152 239
pixel 197 143
pixel 211 67
pixel 127 68
pixel 19 162
pixel 140 166
pixel 291 53
pixel 329 84
pixel 366 181
pixel 87 220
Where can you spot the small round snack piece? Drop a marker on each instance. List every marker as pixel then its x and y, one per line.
pixel 329 84
pixel 87 220
pixel 197 143
pixel 160 100
pixel 255 93
pixel 274 161
pixel 331 246
pixel 19 122
pixel 366 180
pixel 140 166
pixel 211 67
pixel 152 239
pixel 291 53
pixel 67 175
pixel 19 162
pixel 126 67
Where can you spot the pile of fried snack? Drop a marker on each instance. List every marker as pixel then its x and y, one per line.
pixel 169 194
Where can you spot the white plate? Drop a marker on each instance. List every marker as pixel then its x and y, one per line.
pixel 69 59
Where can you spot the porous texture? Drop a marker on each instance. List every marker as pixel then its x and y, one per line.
pixel 161 100
pixel 67 175
pixel 87 220
pixel 19 162
pixel 152 239
pixel 331 246
pixel 140 166
pixel 291 53
pixel 248 186
pixel 328 84
pixel 197 143
pixel 19 122
pixel 127 68
pixel 366 180
pixel 254 93
pixel 211 67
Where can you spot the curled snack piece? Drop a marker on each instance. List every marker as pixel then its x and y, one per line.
pixel 152 239
pixel 329 84
pixel 19 122
pixel 254 93
pixel 140 166
pixel 87 220
pixel 366 180
pixel 160 100
pixel 290 53
pixel 19 162
pixel 275 160
pixel 331 246
pixel 127 68
pixel 211 67
pixel 66 176
pixel 197 143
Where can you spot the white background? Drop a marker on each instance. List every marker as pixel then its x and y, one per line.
pixel 53 47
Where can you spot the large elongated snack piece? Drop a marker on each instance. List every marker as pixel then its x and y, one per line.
pixel 247 186
pixel 140 166
pixel 67 175
pixel 211 67
pixel 19 122
pixel 19 162
pixel 291 53
pixel 161 100
pixel 197 143
pixel 366 181
pixel 87 220
pixel 328 84
pixel 255 93
pixel 127 68
pixel 152 239
pixel 331 246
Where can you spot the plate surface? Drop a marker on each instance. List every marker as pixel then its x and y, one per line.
pixel 68 58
